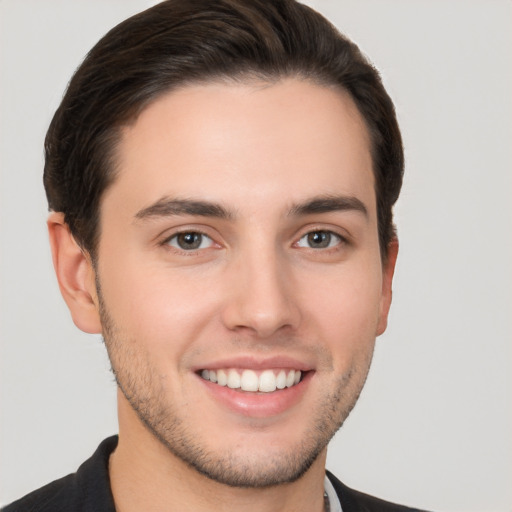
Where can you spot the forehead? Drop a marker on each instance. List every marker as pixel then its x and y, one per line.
pixel 243 143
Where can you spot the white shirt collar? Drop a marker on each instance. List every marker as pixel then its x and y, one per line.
pixel 334 502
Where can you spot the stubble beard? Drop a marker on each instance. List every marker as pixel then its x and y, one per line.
pixel 136 379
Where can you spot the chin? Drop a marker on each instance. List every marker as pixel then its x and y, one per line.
pixel 253 466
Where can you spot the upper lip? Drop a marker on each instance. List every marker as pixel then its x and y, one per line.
pixel 255 363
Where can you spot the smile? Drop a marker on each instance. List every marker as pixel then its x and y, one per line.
pixel 266 381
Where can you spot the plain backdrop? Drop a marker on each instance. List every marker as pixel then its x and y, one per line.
pixel 433 427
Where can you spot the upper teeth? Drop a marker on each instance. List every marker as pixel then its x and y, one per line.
pixel 248 380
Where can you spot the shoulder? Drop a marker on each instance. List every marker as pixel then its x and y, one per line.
pixel 87 490
pixel 355 501
pixel 59 495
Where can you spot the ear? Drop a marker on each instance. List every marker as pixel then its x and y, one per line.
pixel 387 281
pixel 75 275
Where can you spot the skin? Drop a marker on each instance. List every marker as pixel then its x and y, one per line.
pixel 255 289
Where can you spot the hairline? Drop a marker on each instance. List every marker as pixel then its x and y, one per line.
pixel 249 77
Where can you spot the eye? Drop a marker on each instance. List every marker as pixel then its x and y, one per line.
pixel 319 240
pixel 190 241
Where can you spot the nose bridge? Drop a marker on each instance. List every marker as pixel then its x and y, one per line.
pixel 262 290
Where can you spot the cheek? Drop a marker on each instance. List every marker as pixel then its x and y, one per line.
pixel 157 306
pixel 347 308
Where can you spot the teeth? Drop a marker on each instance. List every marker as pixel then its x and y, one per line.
pixel 281 380
pixel 233 379
pixel 248 380
pixel 222 378
pixel 267 381
pixel 290 378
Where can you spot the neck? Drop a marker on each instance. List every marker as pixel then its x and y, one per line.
pixel 145 475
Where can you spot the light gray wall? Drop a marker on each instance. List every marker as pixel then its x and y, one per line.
pixel 433 427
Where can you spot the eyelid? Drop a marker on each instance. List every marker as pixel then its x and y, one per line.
pixel 339 232
pixel 172 231
pixel 169 234
pixel 338 239
pixel 176 236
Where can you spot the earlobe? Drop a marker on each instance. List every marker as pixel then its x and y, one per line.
pixel 388 271
pixel 75 275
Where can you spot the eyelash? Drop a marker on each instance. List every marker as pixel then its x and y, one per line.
pixel 168 241
pixel 339 239
pixel 325 233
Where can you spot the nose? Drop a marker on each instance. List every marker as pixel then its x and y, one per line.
pixel 261 295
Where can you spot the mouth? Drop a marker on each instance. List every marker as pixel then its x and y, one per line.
pixel 262 381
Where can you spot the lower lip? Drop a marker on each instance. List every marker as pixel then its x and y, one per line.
pixel 258 405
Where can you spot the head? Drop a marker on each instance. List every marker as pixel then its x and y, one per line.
pixel 178 43
pixel 228 170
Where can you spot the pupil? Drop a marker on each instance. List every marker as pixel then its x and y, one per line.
pixel 319 239
pixel 189 240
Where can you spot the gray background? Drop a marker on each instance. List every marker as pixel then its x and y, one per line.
pixel 434 425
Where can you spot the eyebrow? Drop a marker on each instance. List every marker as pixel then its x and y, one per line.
pixel 329 203
pixel 166 207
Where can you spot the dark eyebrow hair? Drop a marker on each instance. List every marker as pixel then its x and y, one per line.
pixel 325 204
pixel 166 206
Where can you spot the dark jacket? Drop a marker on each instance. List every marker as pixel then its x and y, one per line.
pixel 88 490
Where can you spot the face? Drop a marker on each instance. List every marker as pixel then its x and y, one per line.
pixel 239 274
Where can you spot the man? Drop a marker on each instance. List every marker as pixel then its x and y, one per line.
pixel 221 177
